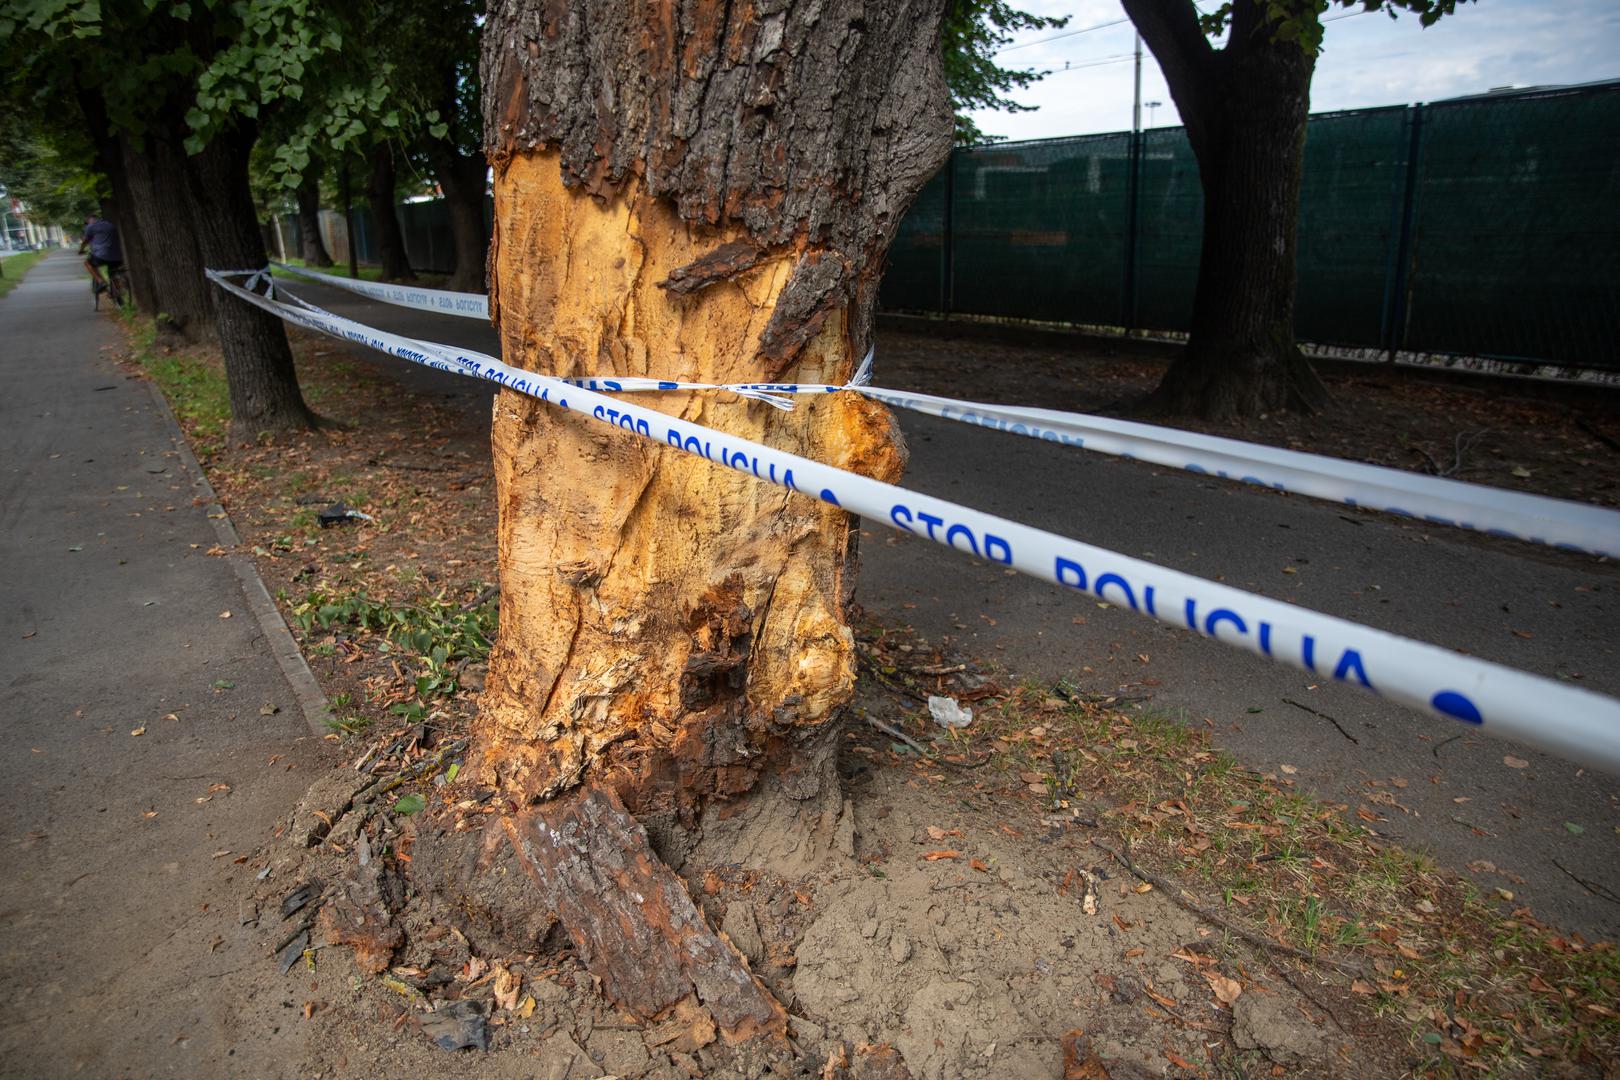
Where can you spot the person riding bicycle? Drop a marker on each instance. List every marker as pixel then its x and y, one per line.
pixel 101 236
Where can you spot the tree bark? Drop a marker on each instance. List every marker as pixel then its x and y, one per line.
pixel 708 195
pixel 313 248
pixel 1245 108
pixel 120 208
pixel 258 362
pixel 380 188
pixel 156 167
pixel 462 178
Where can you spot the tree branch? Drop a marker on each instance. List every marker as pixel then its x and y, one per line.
pixel 1170 29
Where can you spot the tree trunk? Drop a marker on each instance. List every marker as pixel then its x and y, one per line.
pixel 312 247
pixel 1246 107
pixel 156 169
pixel 120 208
pixel 380 187
pixel 715 206
pixel 461 176
pixel 258 362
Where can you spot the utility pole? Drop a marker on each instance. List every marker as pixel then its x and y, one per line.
pixel 1136 104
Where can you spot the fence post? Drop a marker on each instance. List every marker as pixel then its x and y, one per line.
pixel 1133 184
pixel 1397 281
pixel 947 255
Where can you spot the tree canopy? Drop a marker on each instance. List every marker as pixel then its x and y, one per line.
pixel 970 36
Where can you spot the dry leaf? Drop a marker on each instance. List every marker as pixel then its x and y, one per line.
pixel 1226 990
pixel 1143 887
pixel 979 865
pixel 937 833
pixel 139 731
pixel 224 614
pixel 946 854
pixel 1362 986
pixel 1132 954
pixel 1515 762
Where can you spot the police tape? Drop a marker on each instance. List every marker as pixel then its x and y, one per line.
pixel 1512 515
pixel 1563 719
pixel 470 305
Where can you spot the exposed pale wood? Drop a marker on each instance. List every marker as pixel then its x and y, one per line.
pixel 667 620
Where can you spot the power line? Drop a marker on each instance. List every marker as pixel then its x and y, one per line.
pixel 1100 62
pixel 1065 34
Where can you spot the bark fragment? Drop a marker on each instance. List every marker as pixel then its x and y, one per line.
pixel 722 264
pixel 631 918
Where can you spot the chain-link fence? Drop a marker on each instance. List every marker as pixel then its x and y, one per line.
pixel 1486 226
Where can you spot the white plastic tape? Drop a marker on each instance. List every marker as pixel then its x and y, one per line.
pixel 1577 724
pixel 442 301
pixel 1513 515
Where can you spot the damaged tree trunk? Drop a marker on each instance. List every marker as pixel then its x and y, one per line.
pixel 707 194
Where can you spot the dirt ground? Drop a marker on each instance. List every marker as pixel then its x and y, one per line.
pixel 992 921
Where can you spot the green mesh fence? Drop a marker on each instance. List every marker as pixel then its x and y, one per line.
pixel 1486 227
pixel 1516 238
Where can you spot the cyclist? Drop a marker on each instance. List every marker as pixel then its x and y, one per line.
pixel 101 236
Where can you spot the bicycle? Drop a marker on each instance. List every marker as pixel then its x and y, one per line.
pixel 117 287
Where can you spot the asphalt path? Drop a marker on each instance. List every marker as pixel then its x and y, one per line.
pixel 1544 829
pixel 148 741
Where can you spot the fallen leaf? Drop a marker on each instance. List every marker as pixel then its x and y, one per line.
pixel 1574 828
pixel 1288 770
pixel 1143 887
pixel 139 731
pixel 937 833
pixel 1515 762
pixel 1132 954
pixel 933 856
pixel 979 865
pixel 1362 986
pixel 1179 1062
pixel 1167 1002
pixel 1226 990
pixel 224 614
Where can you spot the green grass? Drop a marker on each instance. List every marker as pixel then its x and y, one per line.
pixel 196 389
pixel 15 267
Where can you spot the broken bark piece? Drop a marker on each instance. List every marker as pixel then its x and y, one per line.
pixel 631 918
pixel 358 916
pixel 458 1025
pixel 722 264
pixel 814 290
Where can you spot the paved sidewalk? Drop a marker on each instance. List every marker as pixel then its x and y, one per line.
pixel 147 741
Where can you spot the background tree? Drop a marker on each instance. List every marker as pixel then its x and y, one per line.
pixel 1245 106
pixel 970 36
pixel 50 168
pixel 705 198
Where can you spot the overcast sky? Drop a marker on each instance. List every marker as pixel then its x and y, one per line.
pixel 1367 60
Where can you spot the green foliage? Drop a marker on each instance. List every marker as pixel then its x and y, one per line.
pixel 15 267
pixel 971 34
pixel 437 631
pixel 1301 20
pixel 49 168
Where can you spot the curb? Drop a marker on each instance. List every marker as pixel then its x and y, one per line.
pixel 311 698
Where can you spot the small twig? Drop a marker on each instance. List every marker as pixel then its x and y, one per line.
pixel 1596 888
pixel 1257 940
pixel 1325 716
pixel 1443 743
pixel 1288 977
pixel 937 669
pixel 893 684
pixel 486 593
pixel 895 733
